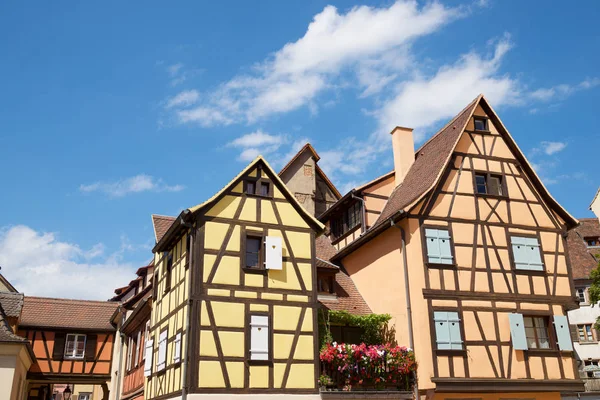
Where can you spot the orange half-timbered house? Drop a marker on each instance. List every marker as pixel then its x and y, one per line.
pixel 72 341
pixel 464 246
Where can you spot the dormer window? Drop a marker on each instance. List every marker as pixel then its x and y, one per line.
pixel 480 124
pixel 265 188
pixel 250 187
pixel 489 184
pixel 258 187
pixel 592 241
pixel 346 221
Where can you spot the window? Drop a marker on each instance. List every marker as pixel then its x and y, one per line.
pixel 265 188
pixel 84 396
pixel 489 184
pixel 348 219
pixel 253 252
pixel 168 269
pixel 138 343
pixel 581 296
pixel 177 348
pixel 591 368
pixel 526 253
pixel 75 346
pixel 592 241
pixel 585 333
pixel 250 187
pixel 480 124
pixel 447 330
pixel 536 332
pixel 439 250
pixel 129 353
pixel 347 334
pixel 148 355
pixel 325 283
pixel 259 338
pixel 162 351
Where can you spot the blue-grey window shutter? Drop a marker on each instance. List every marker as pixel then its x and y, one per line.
pixel 526 253
pixel 433 246
pixel 517 331
pixel 454 327
pixel 535 256
pixel 442 330
pixel 563 334
pixel 445 249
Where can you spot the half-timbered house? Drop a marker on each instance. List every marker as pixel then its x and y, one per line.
pixel 235 296
pixel 464 246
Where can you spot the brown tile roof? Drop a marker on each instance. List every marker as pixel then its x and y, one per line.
pixel 325 250
pixel 12 303
pixel 581 257
pixel 326 265
pixel 161 225
pixel 6 333
pixel 429 161
pixel 65 313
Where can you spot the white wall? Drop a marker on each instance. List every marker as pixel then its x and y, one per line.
pixel 586 314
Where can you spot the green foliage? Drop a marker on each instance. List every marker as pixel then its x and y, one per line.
pixel 374 326
pixel 594 290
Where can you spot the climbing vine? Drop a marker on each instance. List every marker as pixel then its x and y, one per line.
pixel 375 329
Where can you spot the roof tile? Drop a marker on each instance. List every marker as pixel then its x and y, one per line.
pixel 162 223
pixel 11 303
pixel 581 257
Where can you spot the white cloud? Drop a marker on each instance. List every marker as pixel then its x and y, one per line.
pixel 561 92
pixel 185 98
pixel 257 143
pixel 135 184
pixel 552 147
pixel 363 39
pixel 38 263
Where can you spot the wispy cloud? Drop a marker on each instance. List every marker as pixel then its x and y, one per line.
pixel 550 148
pixel 561 92
pixel 185 98
pixel 135 184
pixel 38 263
pixel 178 73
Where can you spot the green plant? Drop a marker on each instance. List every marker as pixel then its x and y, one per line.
pixel 375 327
pixel 325 380
pixel 594 290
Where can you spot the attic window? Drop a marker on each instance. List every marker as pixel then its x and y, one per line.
pixel 258 187
pixel 480 124
pixel 592 241
pixel 489 184
pixel 265 188
pixel 250 187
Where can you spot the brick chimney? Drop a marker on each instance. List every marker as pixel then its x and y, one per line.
pixel 403 146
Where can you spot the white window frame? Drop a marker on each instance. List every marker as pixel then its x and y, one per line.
pixel 177 348
pixel 77 338
pixel 584 295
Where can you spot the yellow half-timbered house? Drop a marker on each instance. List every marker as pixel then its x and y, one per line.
pixel 234 308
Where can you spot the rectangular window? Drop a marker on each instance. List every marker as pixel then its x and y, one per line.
pixel 265 188
pixel 84 396
pixel 585 332
pixel 480 124
pixel 526 253
pixel 489 184
pixel 168 270
pixel 138 344
pixel 325 283
pixel 259 338
pixel 536 332
pixel 162 351
pixel 177 348
pixel 250 187
pixel 129 352
pixel 253 252
pixel 75 346
pixel 447 330
pixel 581 295
pixel 592 241
pixel 592 368
pixel 347 220
pixel 439 250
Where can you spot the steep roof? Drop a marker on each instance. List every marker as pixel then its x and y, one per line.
pixel 5 282
pixel 308 217
pixel 161 224
pixel 47 312
pixel 6 333
pixel 581 257
pixel 12 303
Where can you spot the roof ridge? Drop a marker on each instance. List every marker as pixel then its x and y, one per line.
pixel 163 216
pixel 105 302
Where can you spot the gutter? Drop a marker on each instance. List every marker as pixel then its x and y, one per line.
pixel 184 381
pixel 411 343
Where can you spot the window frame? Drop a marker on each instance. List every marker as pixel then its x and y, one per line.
pixel 587 338
pixel 550 330
pixel 433 333
pixel 488 175
pixel 485 121
pixel 585 295
pixel 424 246
pixel 331 278
pixel 248 339
pixel 71 356
pixel 512 255
pixel 84 396
pixel 168 272
pixel 165 361
pixel 260 235
pixel 340 223
pixel 258 182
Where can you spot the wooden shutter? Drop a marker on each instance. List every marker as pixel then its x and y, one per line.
pixel 563 335
pixel 273 253
pixel 149 352
pixel 493 184
pixel 259 337
pixel 574 333
pixel 433 246
pixel 442 330
pixel 138 344
pixel 58 351
pixel 454 330
pixel 535 256
pixel 177 348
pixel 91 343
pixel 526 253
pixel 445 249
pixel 517 331
pixel 162 351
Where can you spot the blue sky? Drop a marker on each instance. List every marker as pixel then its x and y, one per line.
pixel 112 111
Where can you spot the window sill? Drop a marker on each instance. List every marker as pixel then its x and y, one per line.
pixel 491 196
pixel 440 266
pixel 259 362
pixel 587 342
pixel 259 271
pixel 71 358
pixel 541 352
pixel 450 353
pixel 529 272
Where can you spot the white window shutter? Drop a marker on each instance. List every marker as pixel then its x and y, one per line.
pixel 445 249
pixel 137 348
pixel 149 352
pixel 177 349
pixel 259 337
pixel 526 253
pixel 433 246
pixel 563 333
pixel 442 330
pixel 517 331
pixel 162 351
pixel 454 328
pixel 273 253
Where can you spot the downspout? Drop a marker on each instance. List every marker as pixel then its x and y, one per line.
pixel 411 342
pixel 188 316
pixel 121 337
pixel 363 215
